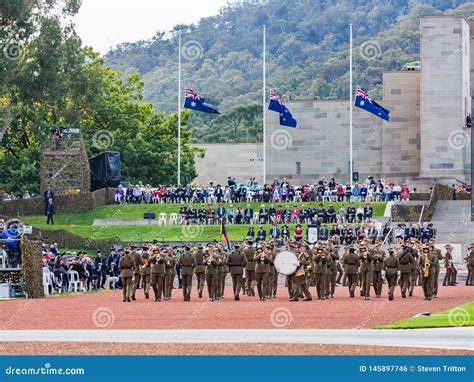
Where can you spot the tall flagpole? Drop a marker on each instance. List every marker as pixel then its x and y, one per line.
pixel 179 108
pixel 264 91
pixel 350 107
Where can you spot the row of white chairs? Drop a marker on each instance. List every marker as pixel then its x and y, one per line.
pixel 173 219
pixel 74 282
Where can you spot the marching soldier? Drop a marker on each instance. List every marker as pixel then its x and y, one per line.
pixel 320 270
pixel 438 256
pixel 290 279
pixel 273 276
pixel 236 262
pixel 390 266
pixel 200 269
pixel 414 268
pixel 262 272
pixel 451 271
pixel 169 274
pixel 365 270
pixel 334 257
pixel 157 272
pixel 427 263
pixel 137 259
pixel 222 274
pixel 249 253
pixel 145 270
pixel 299 284
pixel 405 259
pixel 351 264
pixel 469 259
pixel 126 267
pixel 187 262
pixel 212 269
pixel 377 280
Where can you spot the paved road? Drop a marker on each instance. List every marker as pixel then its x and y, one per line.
pixel 445 338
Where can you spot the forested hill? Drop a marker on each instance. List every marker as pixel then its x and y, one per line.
pixel 307 48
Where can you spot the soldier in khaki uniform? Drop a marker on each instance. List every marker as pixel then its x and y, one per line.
pixel 377 280
pixel 451 271
pixel 334 257
pixel 169 274
pixel 365 270
pixel 126 267
pixel 290 279
pixel 212 269
pixel 390 266
pixel 136 269
pixel 273 277
pixel 427 264
pixel 236 262
pixel 187 262
pixel 469 259
pixel 222 275
pixel 414 268
pixel 320 269
pixel 249 252
pixel 145 270
pixel 351 264
pixel 200 270
pixel 262 272
pixel 438 257
pixel 157 261
pixel 405 259
pixel 300 284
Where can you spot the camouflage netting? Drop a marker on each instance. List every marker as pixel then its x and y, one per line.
pixel 32 267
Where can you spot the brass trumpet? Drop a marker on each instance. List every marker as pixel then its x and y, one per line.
pixel 426 266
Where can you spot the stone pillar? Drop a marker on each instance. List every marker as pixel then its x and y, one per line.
pixel 445 96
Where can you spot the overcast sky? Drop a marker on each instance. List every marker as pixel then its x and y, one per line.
pixel 105 23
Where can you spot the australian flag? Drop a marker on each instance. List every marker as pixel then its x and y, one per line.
pixel 363 101
pixel 276 104
pixel 194 101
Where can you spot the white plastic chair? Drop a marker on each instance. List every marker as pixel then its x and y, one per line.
pixel 73 281
pixel 255 218
pixel 162 219
pixel 173 219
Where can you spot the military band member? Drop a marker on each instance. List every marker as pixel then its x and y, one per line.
pixel 438 257
pixel 390 266
pixel 262 272
pixel 299 285
pixel 365 270
pixel 351 264
pixel 126 267
pixel 334 261
pixel 320 270
pixel 377 280
pixel 249 252
pixel 405 260
pixel 145 270
pixel 136 269
pixel 427 262
pixel 212 270
pixel 236 262
pixel 414 267
pixel 200 269
pixel 451 271
pixel 169 274
pixel 273 276
pixel 187 262
pixel 157 271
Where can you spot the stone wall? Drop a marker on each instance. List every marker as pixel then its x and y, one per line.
pixel 85 201
pixel 240 161
pixel 445 100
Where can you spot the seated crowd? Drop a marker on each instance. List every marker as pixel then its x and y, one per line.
pixel 277 214
pixel 276 192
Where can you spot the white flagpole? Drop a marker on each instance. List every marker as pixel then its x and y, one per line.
pixel 179 109
pixel 350 107
pixel 264 90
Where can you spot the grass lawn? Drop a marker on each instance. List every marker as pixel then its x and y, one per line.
pixel 462 315
pixel 81 223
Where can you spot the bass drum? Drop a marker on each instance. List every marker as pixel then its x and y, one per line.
pixel 286 263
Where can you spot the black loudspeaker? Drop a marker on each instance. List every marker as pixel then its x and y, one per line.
pixel 149 215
